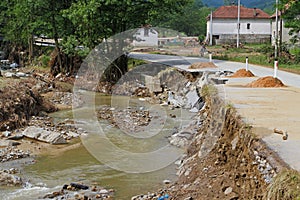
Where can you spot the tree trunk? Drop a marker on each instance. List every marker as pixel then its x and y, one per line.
pixel 30 44
pixel 116 69
pixel 55 35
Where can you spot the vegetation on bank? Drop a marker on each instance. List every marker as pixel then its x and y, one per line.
pixel 260 54
pixel 285 186
pixel 77 26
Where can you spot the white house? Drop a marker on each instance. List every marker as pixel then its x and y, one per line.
pixel 255 26
pixel 283 33
pixel 145 37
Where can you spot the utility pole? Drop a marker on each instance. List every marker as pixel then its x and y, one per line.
pixel 211 29
pixel 276 43
pixel 238 26
pixel 276 31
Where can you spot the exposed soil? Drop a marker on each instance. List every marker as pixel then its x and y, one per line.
pixel 18 102
pixel 223 161
pixel 202 65
pixel 228 171
pixel 267 81
pixel 242 73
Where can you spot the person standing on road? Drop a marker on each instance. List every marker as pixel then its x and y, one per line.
pixel 202 49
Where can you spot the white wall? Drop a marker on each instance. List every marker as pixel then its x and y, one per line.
pixel 142 40
pixel 229 26
pixel 285 32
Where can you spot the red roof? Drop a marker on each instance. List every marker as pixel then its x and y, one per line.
pixel 231 12
pixel 274 15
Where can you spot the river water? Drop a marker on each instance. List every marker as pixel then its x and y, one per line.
pixel 50 172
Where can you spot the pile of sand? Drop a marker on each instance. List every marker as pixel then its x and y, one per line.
pixel 267 81
pixel 242 73
pixel 201 65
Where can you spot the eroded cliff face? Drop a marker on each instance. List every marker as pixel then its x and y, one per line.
pixel 224 160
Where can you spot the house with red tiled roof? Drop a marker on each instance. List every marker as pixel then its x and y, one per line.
pixel 255 26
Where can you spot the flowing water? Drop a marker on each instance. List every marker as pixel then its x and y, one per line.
pixel 50 172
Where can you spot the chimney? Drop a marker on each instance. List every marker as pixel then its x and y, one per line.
pixel 254 12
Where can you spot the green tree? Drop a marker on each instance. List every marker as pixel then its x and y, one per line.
pixel 95 20
pixel 21 21
pixel 78 22
pixel 227 2
pixel 191 20
pixel 291 16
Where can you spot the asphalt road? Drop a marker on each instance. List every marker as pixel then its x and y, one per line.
pixel 182 62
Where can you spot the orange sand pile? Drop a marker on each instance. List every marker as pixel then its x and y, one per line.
pixel 201 65
pixel 242 73
pixel 267 81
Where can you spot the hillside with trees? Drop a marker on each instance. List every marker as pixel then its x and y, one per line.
pixel 262 4
pixel 73 24
pixel 86 23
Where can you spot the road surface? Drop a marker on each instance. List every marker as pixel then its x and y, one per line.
pixel 263 108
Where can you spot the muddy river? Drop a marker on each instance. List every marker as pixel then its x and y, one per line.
pixel 52 171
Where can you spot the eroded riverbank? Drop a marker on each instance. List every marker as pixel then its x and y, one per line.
pixel 223 159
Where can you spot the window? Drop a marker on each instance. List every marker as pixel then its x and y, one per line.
pixel 248 26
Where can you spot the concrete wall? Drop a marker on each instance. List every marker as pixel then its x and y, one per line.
pixel 142 39
pixel 245 38
pixel 285 32
pixel 251 30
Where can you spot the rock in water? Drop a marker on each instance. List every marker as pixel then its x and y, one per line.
pixel 40 134
pixel 79 186
pixel 7 179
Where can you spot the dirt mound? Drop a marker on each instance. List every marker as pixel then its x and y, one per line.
pixel 18 102
pixel 267 81
pixel 242 73
pixel 202 65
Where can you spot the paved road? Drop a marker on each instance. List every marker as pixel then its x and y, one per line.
pixel 181 62
pixel 264 108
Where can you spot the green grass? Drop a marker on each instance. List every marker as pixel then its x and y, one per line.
pixel 258 54
pixel 132 63
pixel 285 186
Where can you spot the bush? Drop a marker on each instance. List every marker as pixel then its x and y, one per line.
pixel 266 49
pixel 296 52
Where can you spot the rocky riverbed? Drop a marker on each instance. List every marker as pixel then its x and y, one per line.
pixel 223 158
pixel 129 119
pixel 80 192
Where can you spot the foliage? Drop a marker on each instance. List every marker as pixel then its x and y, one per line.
pixel 284 186
pixel 296 52
pixel 262 4
pixel 191 20
pixel 291 16
pixel 266 49
pixel 260 54
pixel 82 24
pixel 43 60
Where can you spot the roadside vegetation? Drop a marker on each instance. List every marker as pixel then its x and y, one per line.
pixel 285 186
pixel 260 54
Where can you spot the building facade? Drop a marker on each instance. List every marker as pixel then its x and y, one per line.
pixel 145 37
pixel 255 26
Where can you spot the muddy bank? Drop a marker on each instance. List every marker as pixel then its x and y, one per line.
pixel 18 102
